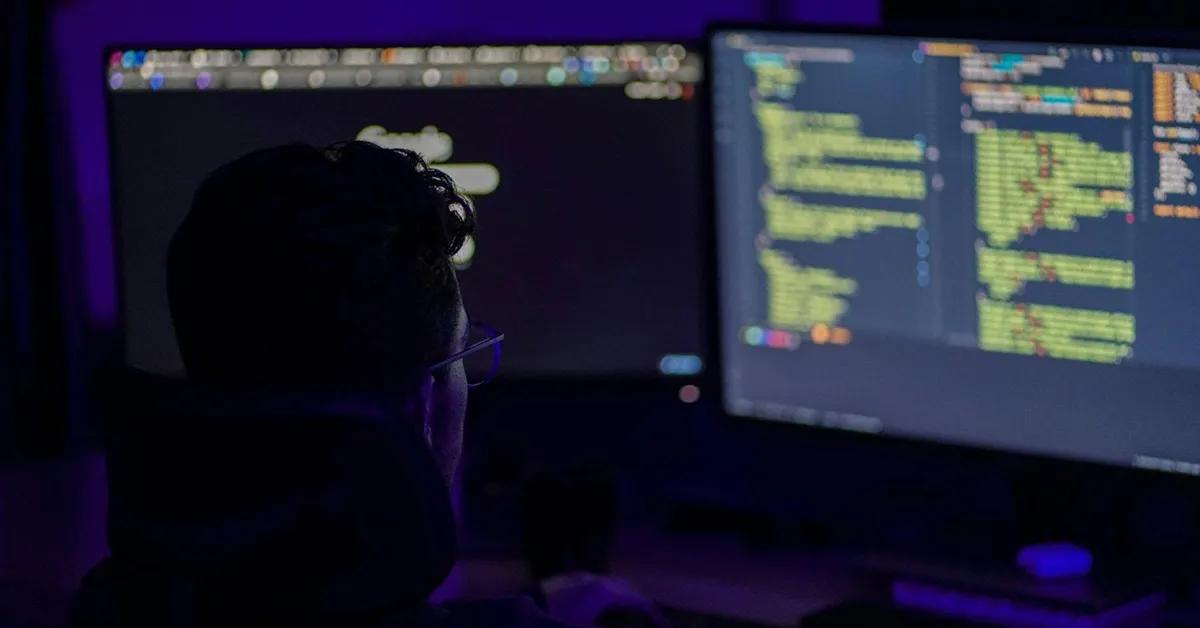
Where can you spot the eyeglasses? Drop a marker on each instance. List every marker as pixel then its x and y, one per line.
pixel 480 364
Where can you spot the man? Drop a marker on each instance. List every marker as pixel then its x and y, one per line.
pixel 300 477
pixel 302 269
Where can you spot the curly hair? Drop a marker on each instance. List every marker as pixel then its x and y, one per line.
pixel 330 267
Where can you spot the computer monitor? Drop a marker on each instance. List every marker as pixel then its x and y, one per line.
pixel 582 161
pixel 978 242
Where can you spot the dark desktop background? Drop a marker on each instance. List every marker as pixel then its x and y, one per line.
pixel 812 488
pixel 586 254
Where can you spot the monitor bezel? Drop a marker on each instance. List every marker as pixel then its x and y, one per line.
pixel 649 380
pixel 758 427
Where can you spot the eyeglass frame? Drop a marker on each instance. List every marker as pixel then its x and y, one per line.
pixel 495 337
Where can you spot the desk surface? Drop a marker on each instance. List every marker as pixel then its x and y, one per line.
pixel 702 573
pixel 721 576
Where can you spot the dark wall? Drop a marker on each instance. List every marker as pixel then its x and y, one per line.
pixel 1150 14
pixel 35 287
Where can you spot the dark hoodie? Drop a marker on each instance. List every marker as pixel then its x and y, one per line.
pixel 296 511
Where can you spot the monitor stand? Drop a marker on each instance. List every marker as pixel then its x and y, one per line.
pixel 1059 512
pixel 1013 597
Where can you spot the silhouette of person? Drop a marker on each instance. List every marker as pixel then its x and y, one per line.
pixel 299 477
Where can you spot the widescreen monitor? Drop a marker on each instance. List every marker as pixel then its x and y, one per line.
pixel 978 242
pixel 582 162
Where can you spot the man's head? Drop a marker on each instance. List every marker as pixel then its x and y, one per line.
pixel 307 269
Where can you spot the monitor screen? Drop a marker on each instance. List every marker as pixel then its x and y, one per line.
pixel 988 243
pixel 582 162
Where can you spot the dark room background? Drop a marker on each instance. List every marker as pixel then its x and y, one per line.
pixel 687 453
